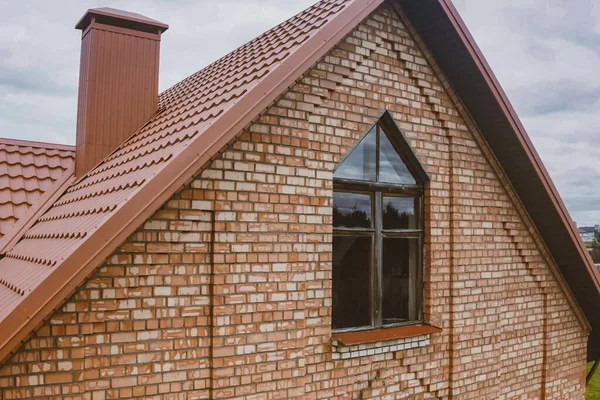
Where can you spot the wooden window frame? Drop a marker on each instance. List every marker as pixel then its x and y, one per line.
pixel 377 191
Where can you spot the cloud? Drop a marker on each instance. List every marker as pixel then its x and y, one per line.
pixel 39 52
pixel 546 54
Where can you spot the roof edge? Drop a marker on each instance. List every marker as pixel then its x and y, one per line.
pixel 522 136
pixel 526 144
pixel 39 207
pixel 129 216
pixel 30 143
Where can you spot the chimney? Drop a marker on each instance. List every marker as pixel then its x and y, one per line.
pixel 118 81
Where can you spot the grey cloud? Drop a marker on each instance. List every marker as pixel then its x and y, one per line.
pixel 15 79
pixel 545 53
pixel 563 96
pixel 570 19
pixel 39 52
pixel 583 179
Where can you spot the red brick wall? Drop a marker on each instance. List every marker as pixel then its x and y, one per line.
pixel 150 324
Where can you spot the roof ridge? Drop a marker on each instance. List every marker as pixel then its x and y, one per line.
pixel 36 144
pixel 51 152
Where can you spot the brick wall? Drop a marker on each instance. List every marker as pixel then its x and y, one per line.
pixel 177 312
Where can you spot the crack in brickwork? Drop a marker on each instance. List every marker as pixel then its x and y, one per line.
pixel 393 383
pixel 515 233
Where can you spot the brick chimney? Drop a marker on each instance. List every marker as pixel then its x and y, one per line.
pixel 118 81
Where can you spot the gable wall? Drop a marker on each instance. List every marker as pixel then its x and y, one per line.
pixel 148 323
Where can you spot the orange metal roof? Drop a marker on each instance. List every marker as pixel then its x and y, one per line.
pixel 27 171
pixel 197 117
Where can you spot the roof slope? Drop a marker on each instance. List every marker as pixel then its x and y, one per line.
pixel 27 171
pixel 200 115
pixel 197 117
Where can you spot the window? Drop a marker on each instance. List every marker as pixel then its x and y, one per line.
pixel 378 233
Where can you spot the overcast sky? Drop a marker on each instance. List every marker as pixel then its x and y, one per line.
pixel 545 53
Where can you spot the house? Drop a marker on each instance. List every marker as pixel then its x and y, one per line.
pixel 346 207
pixel 587 233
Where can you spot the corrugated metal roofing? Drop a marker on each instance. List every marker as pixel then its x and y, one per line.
pixel 27 171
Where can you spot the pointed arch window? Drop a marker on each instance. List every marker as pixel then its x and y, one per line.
pixel 378 232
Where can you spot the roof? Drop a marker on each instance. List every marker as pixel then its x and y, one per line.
pixel 204 112
pixel 587 229
pixel 28 170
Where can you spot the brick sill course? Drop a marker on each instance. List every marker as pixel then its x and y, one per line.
pixel 380 341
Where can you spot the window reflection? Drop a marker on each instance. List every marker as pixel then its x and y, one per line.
pixel 391 167
pixel 361 164
pixel 399 213
pixel 351 210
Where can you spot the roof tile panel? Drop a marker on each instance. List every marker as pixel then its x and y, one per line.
pixel 27 171
pixel 186 111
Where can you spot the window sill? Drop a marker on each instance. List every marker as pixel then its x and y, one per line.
pixel 381 341
pixel 384 334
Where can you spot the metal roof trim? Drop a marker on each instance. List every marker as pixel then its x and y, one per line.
pixel 522 135
pixel 120 15
pixel 100 243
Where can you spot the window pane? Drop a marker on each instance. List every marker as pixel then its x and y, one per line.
pixel 361 163
pixel 351 210
pixel 399 260
pixel 351 281
pixel 399 213
pixel 391 167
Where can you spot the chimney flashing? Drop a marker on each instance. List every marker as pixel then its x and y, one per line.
pixel 120 18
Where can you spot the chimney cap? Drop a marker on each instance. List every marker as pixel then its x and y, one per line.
pixel 121 18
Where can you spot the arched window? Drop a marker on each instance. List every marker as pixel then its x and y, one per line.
pixel 378 232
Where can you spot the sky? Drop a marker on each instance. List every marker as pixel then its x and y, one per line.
pixel 545 53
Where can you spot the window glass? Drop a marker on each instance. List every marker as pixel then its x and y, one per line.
pixel 351 281
pixel 398 264
pixel 361 164
pixel 391 167
pixel 399 213
pixel 351 210
pixel 377 256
